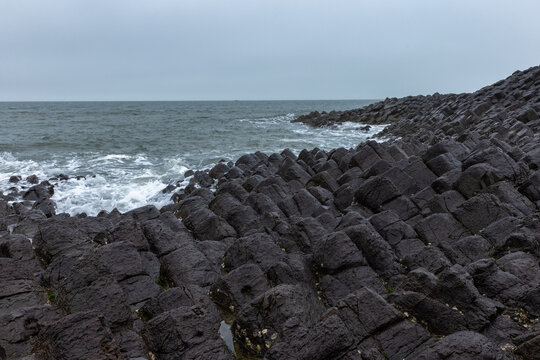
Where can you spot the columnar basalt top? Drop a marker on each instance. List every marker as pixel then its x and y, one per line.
pixel 422 245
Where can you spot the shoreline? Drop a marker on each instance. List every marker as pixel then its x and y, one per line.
pixel 436 232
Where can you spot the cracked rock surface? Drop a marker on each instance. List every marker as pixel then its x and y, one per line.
pixel 423 246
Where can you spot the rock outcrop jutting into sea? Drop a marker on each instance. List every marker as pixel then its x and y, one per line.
pixel 425 246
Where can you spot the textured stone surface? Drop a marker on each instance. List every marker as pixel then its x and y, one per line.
pixel 426 247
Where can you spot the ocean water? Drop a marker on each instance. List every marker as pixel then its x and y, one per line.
pixel 125 153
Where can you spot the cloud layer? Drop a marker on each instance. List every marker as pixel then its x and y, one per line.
pixel 259 49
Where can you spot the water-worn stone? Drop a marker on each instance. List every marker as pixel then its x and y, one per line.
pixel 39 192
pixel 336 252
pixel 375 249
pixel 77 336
pixel 376 191
pixel 206 225
pixel 18 329
pixel 188 265
pixel 239 287
pixel 258 249
pixel 19 288
pixel 268 315
pixel 466 345
pixel 190 333
pixel 334 287
pixel 482 210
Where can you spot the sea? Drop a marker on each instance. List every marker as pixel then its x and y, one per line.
pixel 123 154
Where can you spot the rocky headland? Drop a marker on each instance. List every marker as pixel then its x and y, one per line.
pixel 424 245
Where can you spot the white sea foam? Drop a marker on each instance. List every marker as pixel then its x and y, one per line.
pixel 112 181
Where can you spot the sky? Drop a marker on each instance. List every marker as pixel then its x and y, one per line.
pixel 72 50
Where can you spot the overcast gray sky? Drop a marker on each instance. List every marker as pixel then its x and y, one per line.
pixel 260 49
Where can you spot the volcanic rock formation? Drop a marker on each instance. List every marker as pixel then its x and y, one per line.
pixel 425 246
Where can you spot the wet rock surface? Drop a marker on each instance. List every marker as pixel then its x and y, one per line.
pixel 423 247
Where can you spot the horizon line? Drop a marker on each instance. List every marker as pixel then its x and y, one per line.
pixel 198 100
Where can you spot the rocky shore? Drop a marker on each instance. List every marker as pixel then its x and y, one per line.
pixel 424 246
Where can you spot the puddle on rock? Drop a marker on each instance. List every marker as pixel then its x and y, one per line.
pixel 227 336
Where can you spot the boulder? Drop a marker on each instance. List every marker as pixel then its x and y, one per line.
pixel 188 265
pixel 481 210
pixel 443 163
pixel 335 253
pixel 272 311
pixel 57 236
pixel 144 213
pixel 32 179
pixel 39 192
pixel 377 252
pixel 206 225
pixel 376 191
pixel 218 170
pixel 324 180
pixel 439 229
pixel 335 287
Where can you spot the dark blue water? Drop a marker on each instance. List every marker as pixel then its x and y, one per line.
pixel 134 149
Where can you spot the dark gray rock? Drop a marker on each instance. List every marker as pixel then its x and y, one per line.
pixel 19 248
pixel 239 287
pixel 376 191
pixel 32 179
pixel 144 213
pixel 18 329
pixel 218 170
pixel 466 345
pixel 375 249
pixel 77 336
pixel 206 225
pixel 131 231
pixel 446 202
pixel 189 296
pixel 334 287
pixel 29 223
pixel 439 318
pixel 325 180
pixel 47 206
pixel 527 114
pixel 328 339
pixel 481 210
pixel 449 181
pixel 19 288
pixel 335 253
pixel 14 179
pixel 290 170
pixel 56 236
pixel 443 163
pixel 91 286
pixel 258 249
pixel 272 311
pixel 191 334
pixel 188 265
pixel 241 217
pixel 440 229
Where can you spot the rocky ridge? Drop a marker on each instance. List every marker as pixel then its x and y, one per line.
pixel 507 110
pixel 425 247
